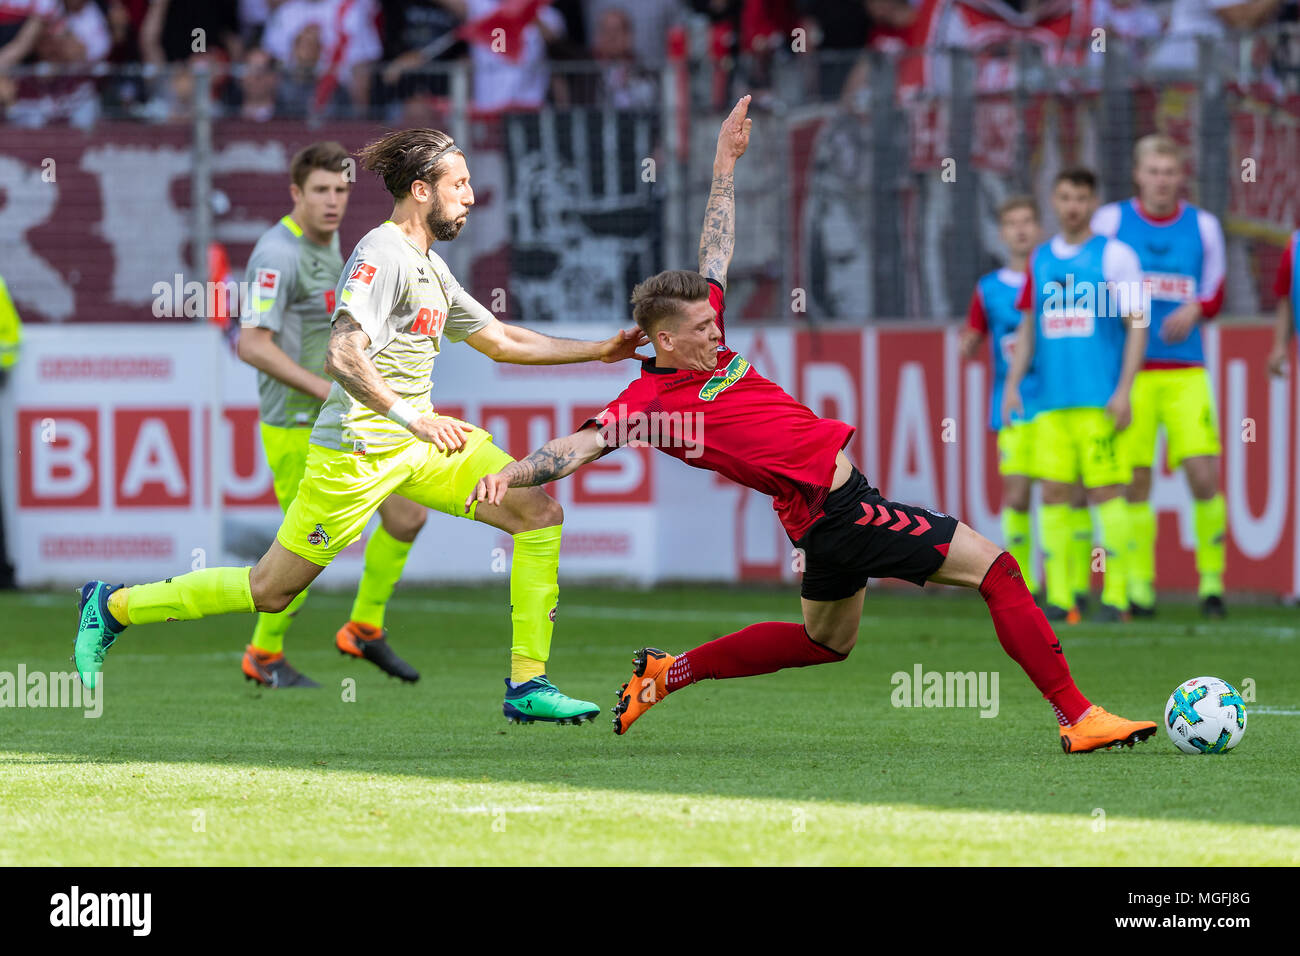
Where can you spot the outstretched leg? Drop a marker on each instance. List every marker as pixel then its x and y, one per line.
pixel 975 562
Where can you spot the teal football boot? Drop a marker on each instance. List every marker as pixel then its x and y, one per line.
pixel 96 631
pixel 539 699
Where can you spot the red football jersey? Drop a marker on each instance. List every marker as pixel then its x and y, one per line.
pixel 735 422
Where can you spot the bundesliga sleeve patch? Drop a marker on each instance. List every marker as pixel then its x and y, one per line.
pixel 268 282
pixel 363 272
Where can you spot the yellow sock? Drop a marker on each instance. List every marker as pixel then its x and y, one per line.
pixel 385 561
pixel 1112 515
pixel 1081 550
pixel 269 633
pixel 1142 553
pixel 534 592
pixel 1211 520
pixel 525 668
pixel 1016 539
pixel 184 598
pixel 1054 537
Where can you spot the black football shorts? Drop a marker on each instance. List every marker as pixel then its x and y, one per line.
pixel 863 535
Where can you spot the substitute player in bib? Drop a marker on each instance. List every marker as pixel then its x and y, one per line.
pixel 1181 250
pixel 992 315
pixel 293 272
pixel 1084 333
pixel 378 434
pixel 1286 286
pixel 757 435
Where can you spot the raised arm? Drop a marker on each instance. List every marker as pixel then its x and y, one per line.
pixel 558 458
pixel 718 238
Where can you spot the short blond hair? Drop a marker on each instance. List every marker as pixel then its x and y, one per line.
pixel 1157 143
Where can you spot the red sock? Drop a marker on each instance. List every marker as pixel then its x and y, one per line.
pixel 758 649
pixel 1028 638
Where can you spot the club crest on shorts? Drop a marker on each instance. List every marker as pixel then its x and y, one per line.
pixel 318 537
pixel 551 615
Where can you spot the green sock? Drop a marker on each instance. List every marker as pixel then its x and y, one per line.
pixel 1142 553
pixel 1081 550
pixel 197 594
pixel 1211 519
pixel 1054 538
pixel 1016 530
pixel 385 559
pixel 534 593
pixel 1112 515
pixel 269 633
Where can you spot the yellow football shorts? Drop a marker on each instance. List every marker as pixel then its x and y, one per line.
pixel 1073 444
pixel 286 456
pixel 1179 399
pixel 341 490
pixel 1016 449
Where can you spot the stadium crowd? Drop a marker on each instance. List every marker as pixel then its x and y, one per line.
pixel 327 59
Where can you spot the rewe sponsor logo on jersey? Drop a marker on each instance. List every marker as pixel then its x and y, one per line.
pixel 620 428
pixel 1170 287
pixel 724 378
pixel 55 689
pixel 1072 300
pixel 74 908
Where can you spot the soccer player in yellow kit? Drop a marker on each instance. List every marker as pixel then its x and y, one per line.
pixel 285 331
pixel 378 434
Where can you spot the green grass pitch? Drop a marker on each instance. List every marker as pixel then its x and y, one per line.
pixel 191 765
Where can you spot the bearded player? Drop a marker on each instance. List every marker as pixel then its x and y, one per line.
pixel 1181 251
pixel 293 271
pixel 378 434
pixel 758 436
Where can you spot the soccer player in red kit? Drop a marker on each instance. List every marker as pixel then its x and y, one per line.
pixel 757 435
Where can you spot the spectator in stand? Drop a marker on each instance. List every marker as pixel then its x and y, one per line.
pixel 415 33
pixel 1129 20
pixel 507 49
pixel 346 38
pixel 650 22
pixel 21 22
pixel 259 84
pixel 624 84
pixel 167 33
pixel 85 21
pixel 64 97
pixel 125 24
pixel 1190 20
pixel 300 85
pixel 838 31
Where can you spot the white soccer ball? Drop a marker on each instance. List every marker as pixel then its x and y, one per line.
pixel 1205 715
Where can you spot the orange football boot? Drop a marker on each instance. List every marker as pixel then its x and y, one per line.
pixel 646 688
pixel 1098 729
pixel 272 670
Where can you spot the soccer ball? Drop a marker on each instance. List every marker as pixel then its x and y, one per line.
pixel 1205 715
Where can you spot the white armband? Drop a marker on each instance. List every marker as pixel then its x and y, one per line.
pixel 403 413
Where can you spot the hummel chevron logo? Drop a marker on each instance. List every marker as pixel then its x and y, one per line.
pixel 922 524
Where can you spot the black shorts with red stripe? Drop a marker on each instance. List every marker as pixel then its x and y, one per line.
pixel 863 535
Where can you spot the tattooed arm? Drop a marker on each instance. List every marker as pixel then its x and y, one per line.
pixel 558 458
pixel 718 238
pixel 347 363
